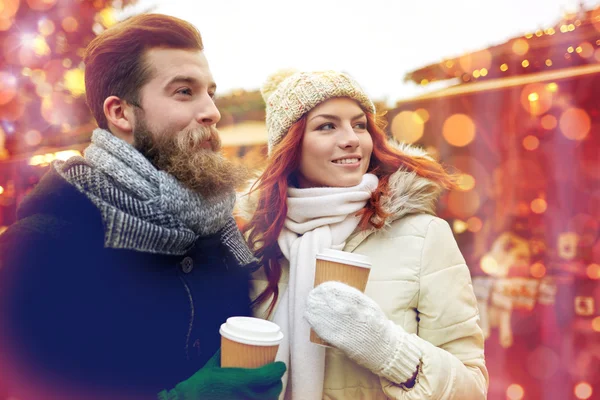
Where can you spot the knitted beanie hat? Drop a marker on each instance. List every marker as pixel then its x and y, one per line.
pixel 289 95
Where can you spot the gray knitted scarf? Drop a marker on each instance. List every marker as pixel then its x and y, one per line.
pixel 146 209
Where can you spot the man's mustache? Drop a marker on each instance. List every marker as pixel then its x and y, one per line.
pixel 195 138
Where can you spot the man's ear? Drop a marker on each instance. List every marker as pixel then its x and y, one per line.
pixel 119 115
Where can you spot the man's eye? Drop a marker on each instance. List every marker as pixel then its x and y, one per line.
pixel 185 91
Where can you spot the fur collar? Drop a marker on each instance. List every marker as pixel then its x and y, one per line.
pixel 409 194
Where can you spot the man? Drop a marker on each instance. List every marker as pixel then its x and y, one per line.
pixel 124 263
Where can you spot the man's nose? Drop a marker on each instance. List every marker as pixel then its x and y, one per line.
pixel 208 113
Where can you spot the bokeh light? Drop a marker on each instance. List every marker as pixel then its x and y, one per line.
pixel 70 24
pixel 575 123
pixel 593 271
pixel 75 81
pixel 515 392
pixel 520 47
pixel 531 142
pixel 463 204
pixel 8 87
pixel 583 391
pixel 474 224
pixel 466 182
pixel 107 17
pixel 408 127
pixel 46 27
pixel 33 138
pixel 5 23
pixel 536 98
pixel 539 206
pixel 9 8
pixel 459 130
pixel 549 122
pixel 489 265
pixel 41 5
pixel 596 324
pixel 13 110
pixel 459 226
pixel 586 50
pixel 537 270
pixel 423 114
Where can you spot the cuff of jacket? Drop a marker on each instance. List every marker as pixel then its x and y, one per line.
pixel 405 360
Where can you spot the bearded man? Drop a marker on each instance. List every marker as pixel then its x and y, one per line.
pixel 124 263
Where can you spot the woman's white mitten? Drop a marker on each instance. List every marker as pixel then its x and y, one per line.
pixel 352 322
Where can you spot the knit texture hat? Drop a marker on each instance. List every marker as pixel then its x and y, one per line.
pixel 289 95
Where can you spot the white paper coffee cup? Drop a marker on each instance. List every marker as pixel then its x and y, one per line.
pixel 248 342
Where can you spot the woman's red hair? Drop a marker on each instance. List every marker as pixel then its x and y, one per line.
pixel 267 222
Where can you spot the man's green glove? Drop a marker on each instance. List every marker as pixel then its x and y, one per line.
pixel 215 383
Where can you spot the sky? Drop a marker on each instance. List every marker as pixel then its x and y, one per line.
pixel 375 41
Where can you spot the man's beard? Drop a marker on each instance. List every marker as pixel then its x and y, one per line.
pixel 205 171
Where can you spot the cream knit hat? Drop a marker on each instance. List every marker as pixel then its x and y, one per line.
pixel 289 95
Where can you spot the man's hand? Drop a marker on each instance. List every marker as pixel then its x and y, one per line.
pixel 215 383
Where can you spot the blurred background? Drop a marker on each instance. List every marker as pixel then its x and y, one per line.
pixel 506 92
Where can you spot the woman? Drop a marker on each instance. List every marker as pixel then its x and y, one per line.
pixel 333 181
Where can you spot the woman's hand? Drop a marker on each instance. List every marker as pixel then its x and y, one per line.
pixel 352 322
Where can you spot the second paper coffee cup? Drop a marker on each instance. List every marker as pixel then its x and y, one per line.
pixel 342 266
pixel 248 342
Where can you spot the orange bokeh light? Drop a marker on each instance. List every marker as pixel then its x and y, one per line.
pixel 408 127
pixel 8 87
pixel 536 98
pixel 515 392
pixel 70 24
pixel 520 47
pixel 459 130
pixel 575 123
pixel 537 270
pixel 549 122
pixel 466 182
pixel 531 142
pixel 583 390
pixel 593 271
pixel 41 5
pixel 46 27
pixel 596 324
pixel 539 206
pixel 586 50
pixel 33 138
pixel 9 8
pixel 489 265
pixel 474 224
pixel 463 204
pixel 423 114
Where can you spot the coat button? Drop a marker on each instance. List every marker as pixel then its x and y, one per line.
pixel 187 265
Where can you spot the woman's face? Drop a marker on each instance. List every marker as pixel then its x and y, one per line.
pixel 336 148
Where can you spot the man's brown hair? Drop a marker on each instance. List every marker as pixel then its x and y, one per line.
pixel 114 60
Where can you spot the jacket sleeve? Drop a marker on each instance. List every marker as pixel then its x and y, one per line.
pixel 452 363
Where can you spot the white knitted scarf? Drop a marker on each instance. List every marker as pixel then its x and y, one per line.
pixel 317 219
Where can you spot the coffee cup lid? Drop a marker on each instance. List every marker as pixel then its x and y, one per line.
pixel 253 331
pixel 344 257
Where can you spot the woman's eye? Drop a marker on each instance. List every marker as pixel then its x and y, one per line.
pixel 361 125
pixel 326 127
